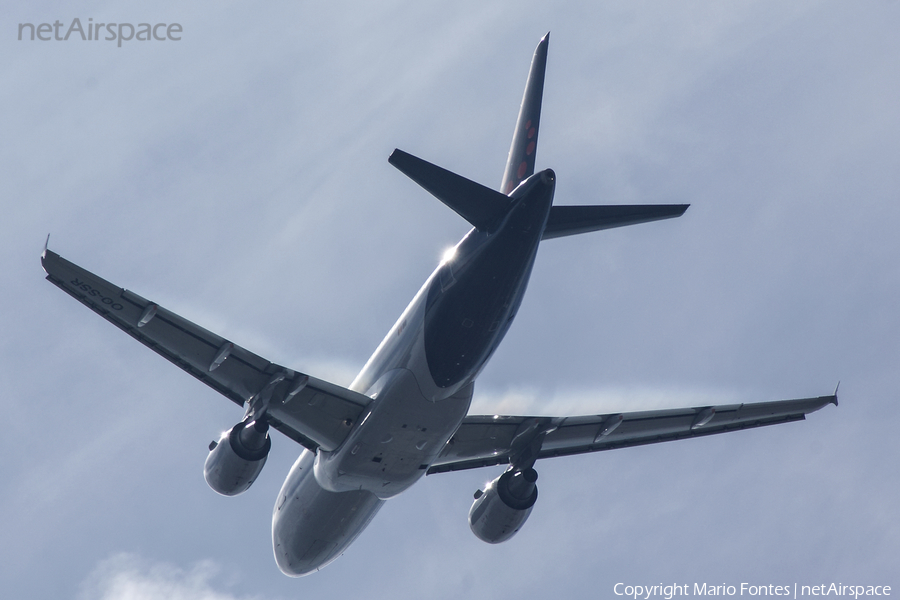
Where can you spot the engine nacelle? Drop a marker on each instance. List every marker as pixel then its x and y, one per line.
pixel 501 510
pixel 237 458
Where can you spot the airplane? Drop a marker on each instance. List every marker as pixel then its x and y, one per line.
pixel 406 413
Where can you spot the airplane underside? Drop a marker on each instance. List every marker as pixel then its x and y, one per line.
pixel 458 318
pixel 312 526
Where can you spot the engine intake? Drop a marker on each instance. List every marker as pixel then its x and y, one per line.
pixel 500 511
pixel 237 458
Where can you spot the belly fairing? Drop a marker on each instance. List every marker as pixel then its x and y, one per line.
pixel 396 441
pixel 311 526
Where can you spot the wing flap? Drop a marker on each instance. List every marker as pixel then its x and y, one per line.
pixel 484 441
pixel 312 412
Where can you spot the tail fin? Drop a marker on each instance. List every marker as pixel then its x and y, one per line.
pixel 520 163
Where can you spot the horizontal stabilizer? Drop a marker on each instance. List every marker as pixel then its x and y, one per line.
pixel 479 205
pixel 570 220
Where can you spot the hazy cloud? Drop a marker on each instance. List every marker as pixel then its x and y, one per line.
pixel 129 577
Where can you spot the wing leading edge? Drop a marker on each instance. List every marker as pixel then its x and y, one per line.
pixel 483 441
pixel 310 411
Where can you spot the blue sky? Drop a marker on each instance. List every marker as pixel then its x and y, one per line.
pixel 240 178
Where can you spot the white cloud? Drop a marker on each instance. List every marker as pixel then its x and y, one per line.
pixel 600 400
pixel 129 577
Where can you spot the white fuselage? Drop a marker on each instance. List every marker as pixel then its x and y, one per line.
pixel 328 498
pixel 420 380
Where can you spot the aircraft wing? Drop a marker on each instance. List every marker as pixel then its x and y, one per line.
pixel 310 411
pixel 483 441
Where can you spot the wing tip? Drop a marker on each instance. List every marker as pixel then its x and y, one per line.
pixel 46 254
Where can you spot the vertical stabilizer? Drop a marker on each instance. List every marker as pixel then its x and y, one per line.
pixel 520 163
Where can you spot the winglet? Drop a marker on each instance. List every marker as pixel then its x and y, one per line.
pixel 522 151
pixel 44 254
pixel 834 395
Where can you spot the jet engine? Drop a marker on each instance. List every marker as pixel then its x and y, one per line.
pixel 500 510
pixel 236 459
